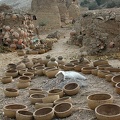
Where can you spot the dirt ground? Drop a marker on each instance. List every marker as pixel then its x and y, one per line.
pixel 69 52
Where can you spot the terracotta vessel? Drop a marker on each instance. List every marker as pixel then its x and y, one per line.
pixel 47 68
pixel 108 77
pixel 117 88
pixel 10 110
pixel 6 79
pixel 22 71
pixel 11 92
pixel 36 90
pixel 45 113
pixel 60 61
pixel 39 70
pixel 108 112
pixel 24 115
pixel 102 67
pixel 36 98
pixel 102 73
pixel 20 66
pixel 13 73
pixel 63 99
pixel 63 109
pixel 45 61
pixel 94 72
pixel 100 62
pixel 68 67
pixel 51 72
pixel 52 63
pixel 24 79
pixel 20 53
pixel 97 99
pixel 87 70
pixel 29 64
pixel 29 74
pixel 24 85
pixel 115 79
pixel 56 92
pixel 111 69
pixel 71 89
pixel 79 67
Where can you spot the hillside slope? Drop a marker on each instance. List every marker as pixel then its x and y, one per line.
pixel 18 4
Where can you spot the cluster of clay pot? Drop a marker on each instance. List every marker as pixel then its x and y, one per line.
pixel 18 37
pixel 48 104
pixel 102 102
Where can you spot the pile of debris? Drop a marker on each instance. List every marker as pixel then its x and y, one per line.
pixel 98 31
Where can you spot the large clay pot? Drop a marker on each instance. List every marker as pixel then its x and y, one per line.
pixel 36 90
pixel 97 99
pixel 45 113
pixel 36 98
pixel 45 61
pixel 51 72
pixel 7 79
pixel 13 73
pixel 56 92
pixel 108 112
pixel 71 89
pixel 52 63
pixel 100 62
pixel 11 92
pixel 24 115
pixel 63 110
pixel 20 66
pixel 60 61
pixel 63 99
pixel 10 110
pixel 24 79
pixel 115 79
pixel 24 85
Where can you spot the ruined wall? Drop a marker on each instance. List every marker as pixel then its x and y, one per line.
pixel 47 13
pixel 99 31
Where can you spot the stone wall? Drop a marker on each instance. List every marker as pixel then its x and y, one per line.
pixel 99 31
pixel 47 13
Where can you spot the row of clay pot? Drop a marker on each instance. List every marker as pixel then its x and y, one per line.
pixel 62 106
pixel 20 112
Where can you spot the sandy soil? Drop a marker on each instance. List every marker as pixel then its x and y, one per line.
pixel 95 84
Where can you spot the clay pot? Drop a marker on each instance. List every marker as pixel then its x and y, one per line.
pixel 87 70
pixel 115 79
pixel 33 71
pixel 97 99
pixel 36 90
pixel 117 88
pixel 41 105
pixel 108 77
pixel 100 62
pixel 20 53
pixel 13 47
pixel 41 51
pixel 68 67
pixel 102 67
pixel 24 79
pixel 13 73
pixel 56 92
pixel 38 65
pixel 36 98
pixel 52 63
pixel 20 66
pixel 10 110
pixel 29 74
pixel 24 85
pixel 34 52
pixel 24 115
pixel 46 69
pixel 60 61
pixel 7 79
pixel 111 69
pixel 78 67
pixel 102 73
pixel 94 72
pixel 22 71
pixel 63 99
pixel 50 99
pixel 63 109
pixel 51 72
pixel 39 70
pixel 108 112
pixel 29 64
pixel 71 89
pixel 45 61
pixel 11 66
pixel 11 92
pixel 35 60
pixel 46 113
